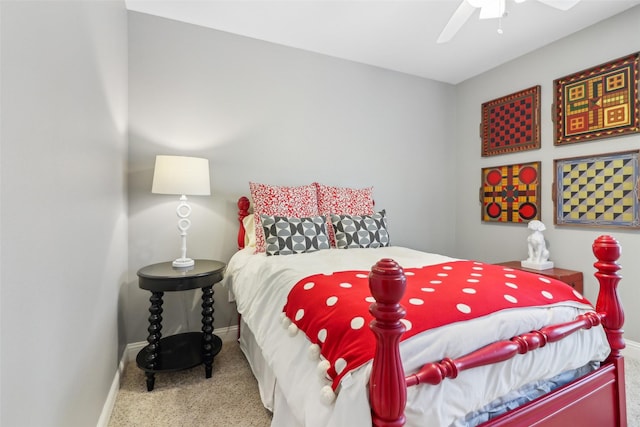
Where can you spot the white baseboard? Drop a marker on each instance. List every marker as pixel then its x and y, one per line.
pixel 632 350
pixel 130 352
pixel 110 402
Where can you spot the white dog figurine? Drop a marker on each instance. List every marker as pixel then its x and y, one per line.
pixel 538 253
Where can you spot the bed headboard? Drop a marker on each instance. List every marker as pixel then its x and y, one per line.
pixel 243 211
pixel 244 206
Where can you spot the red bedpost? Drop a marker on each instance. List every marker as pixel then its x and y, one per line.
pixel 243 211
pixel 387 385
pixel 607 250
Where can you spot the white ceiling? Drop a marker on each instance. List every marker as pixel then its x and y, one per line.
pixel 398 35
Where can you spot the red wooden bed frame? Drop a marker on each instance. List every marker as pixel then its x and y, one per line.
pixel 596 399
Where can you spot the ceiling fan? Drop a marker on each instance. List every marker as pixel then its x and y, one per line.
pixel 488 9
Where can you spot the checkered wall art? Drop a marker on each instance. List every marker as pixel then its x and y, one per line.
pixel 599 102
pixel 511 193
pixel 597 191
pixel 511 123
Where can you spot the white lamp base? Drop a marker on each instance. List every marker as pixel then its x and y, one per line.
pixel 183 262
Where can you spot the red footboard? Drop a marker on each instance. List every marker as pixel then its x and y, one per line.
pixel 597 399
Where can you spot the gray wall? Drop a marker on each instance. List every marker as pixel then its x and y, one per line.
pixel 570 247
pixel 283 116
pixel 63 207
pixel 277 115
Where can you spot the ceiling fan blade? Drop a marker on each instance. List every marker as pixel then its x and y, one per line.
pixel 560 4
pixel 457 20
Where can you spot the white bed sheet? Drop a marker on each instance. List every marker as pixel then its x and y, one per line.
pixel 260 286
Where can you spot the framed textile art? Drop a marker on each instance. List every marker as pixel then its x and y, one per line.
pixel 511 194
pixel 597 191
pixel 511 123
pixel 599 102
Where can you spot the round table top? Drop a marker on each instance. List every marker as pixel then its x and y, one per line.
pixel 165 277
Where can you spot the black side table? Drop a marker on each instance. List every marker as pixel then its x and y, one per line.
pixel 185 350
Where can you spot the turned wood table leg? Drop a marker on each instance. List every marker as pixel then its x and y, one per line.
pixel 207 329
pixel 155 334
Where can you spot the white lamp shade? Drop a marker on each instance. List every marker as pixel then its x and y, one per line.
pixel 181 175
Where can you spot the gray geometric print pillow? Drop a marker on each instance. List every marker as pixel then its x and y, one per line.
pixel 287 236
pixel 360 231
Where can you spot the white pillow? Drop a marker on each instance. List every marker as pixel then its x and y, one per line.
pixel 249 231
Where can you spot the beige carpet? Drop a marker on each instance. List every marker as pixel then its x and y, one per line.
pixel 632 381
pixel 186 398
pixel 230 397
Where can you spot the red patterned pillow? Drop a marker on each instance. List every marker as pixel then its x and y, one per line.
pixel 273 200
pixel 343 201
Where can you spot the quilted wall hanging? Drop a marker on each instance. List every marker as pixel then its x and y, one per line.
pixel 597 191
pixel 511 193
pixel 511 123
pixel 599 102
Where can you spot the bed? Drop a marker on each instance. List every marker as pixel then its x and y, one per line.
pixel 559 364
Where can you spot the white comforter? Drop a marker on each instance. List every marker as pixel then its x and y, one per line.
pixel 260 285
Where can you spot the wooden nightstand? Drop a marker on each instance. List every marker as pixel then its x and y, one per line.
pixel 570 277
pixel 188 349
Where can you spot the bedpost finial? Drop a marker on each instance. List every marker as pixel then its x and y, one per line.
pixel 606 249
pixel 387 281
pixel 243 203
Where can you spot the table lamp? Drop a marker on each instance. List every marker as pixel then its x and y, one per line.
pixel 183 176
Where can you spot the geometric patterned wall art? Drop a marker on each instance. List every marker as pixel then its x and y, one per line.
pixel 597 191
pixel 511 123
pixel 511 194
pixel 599 102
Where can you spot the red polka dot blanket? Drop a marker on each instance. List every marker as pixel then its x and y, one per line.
pixel 333 310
